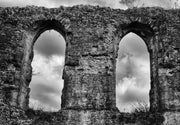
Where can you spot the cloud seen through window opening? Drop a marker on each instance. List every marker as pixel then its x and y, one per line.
pixel 50 43
pixel 48 62
pixel 133 63
pixel 132 73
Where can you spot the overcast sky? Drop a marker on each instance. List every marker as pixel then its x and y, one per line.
pixel 110 3
pixel 47 83
pixel 133 75
pixel 132 72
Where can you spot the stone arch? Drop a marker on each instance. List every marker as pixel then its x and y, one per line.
pixel 31 36
pixel 141 29
pixel 43 25
pixel 129 73
pixel 148 35
pixel 47 66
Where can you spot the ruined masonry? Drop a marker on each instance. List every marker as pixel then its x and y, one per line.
pixel 92 36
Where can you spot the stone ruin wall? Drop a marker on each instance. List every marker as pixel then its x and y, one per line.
pixel 92 36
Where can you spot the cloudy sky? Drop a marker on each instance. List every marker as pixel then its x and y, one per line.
pixel 110 3
pixel 133 75
pixel 48 62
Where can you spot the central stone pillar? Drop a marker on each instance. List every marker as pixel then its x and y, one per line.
pixel 87 91
pixel 89 85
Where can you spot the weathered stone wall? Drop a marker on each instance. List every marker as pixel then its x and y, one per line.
pixel 92 36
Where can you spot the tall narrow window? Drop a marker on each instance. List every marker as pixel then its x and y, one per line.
pixel 132 74
pixel 48 62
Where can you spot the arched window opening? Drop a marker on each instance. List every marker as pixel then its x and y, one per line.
pixel 48 62
pixel 132 74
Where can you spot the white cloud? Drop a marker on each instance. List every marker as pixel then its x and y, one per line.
pixel 125 84
pixel 128 94
pixel 46 86
pixel 22 3
pixel 50 43
pixel 161 3
pixel 57 3
pixel 109 3
pixel 37 105
pixel 133 73
pixel 46 65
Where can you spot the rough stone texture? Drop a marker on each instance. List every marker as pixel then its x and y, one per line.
pixel 171 118
pixel 92 36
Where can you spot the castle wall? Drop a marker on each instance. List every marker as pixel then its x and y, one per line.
pixel 92 36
